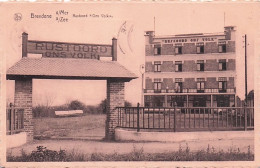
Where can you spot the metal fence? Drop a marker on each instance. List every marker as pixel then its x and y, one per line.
pixel 186 118
pixel 14 120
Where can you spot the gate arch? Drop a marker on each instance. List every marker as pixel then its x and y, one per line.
pixel 69 67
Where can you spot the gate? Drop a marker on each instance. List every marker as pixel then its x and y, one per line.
pixel 14 120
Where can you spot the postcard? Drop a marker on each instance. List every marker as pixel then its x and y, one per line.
pixel 129 84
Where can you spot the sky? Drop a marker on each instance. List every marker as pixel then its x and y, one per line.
pixel 170 19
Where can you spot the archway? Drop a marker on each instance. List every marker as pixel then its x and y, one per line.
pixel 69 61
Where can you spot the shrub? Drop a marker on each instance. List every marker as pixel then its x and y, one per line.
pixel 43 111
pixel 102 106
pixel 76 105
pixel 42 154
pixel 210 154
pixel 91 110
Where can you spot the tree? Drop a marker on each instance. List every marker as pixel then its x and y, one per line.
pixel 77 105
pixel 102 106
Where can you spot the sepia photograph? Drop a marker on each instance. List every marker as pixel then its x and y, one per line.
pixel 129 84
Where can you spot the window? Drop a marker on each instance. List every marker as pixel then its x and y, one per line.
pixel 178 49
pixel 157 85
pixel 200 65
pixel 147 101
pixel 223 100
pixel 200 48
pixel 222 47
pixel 222 65
pixel 157 101
pixel 157 50
pixel 157 66
pixel 178 66
pixel 199 101
pixel 179 100
pixel 222 85
pixel 153 101
pixel 200 85
pixel 178 85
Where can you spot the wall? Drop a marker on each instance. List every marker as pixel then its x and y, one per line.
pixel 16 140
pixel 132 135
pixel 189 83
pixel 211 65
pixel 167 66
pixel 191 65
pixel 190 48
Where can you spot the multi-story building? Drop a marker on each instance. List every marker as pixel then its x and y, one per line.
pixel 193 70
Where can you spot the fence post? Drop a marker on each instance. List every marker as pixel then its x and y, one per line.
pixel 175 113
pixel 245 112
pixel 138 117
pixel 12 119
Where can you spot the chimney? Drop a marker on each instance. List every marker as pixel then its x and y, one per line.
pixel 114 49
pixel 24 44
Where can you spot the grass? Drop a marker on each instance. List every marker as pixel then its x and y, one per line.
pixel 45 128
pixel 82 126
pixel 93 125
pixel 210 154
pixel 42 154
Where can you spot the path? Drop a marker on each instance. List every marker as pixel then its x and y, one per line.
pixel 91 146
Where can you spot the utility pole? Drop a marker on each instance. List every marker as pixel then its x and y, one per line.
pixel 245 70
pixel 154 25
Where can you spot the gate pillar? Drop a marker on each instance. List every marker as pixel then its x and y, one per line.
pixel 115 98
pixel 23 100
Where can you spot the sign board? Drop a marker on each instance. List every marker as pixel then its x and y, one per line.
pixel 193 39
pixel 69 50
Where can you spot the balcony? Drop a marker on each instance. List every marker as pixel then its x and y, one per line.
pixel 157 90
pixel 190 91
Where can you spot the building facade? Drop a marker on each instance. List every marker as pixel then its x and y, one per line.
pixel 193 70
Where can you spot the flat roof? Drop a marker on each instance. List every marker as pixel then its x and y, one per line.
pixel 68 68
pixel 191 35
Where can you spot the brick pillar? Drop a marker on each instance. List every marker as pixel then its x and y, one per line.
pixel 115 98
pixel 23 100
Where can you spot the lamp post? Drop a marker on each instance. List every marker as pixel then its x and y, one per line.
pixel 142 70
